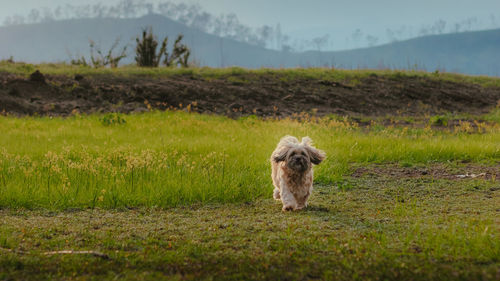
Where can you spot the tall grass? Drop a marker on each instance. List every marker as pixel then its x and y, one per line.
pixel 175 158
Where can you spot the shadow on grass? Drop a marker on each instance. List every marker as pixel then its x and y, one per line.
pixel 316 209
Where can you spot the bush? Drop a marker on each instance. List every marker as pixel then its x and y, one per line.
pixel 180 54
pixel 147 56
pixel 112 119
pixel 439 120
pixel 100 60
pixel 146 49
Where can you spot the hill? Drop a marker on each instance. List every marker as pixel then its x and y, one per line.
pixel 474 53
pixel 54 41
pixel 237 92
pixel 469 52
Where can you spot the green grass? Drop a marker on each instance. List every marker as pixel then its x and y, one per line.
pixel 338 75
pixel 493 116
pixel 179 196
pixel 382 228
pixel 167 159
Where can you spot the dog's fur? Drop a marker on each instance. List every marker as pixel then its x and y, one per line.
pixel 292 171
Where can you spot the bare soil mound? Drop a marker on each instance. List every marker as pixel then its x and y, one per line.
pixel 245 94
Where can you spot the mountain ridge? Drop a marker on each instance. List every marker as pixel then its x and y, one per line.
pixel 476 52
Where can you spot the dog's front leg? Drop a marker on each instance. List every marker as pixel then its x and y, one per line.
pixel 287 198
pixel 276 194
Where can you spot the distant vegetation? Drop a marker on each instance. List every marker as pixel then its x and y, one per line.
pixel 229 26
pixel 478 53
pixel 147 55
pixel 98 59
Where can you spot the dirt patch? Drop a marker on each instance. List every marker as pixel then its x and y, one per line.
pixel 436 171
pixel 241 95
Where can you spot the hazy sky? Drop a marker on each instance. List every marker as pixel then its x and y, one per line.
pixel 340 18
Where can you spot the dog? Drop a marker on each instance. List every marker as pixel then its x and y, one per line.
pixel 292 171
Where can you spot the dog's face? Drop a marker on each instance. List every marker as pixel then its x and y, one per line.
pixel 300 158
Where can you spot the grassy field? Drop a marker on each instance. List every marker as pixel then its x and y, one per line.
pixel 173 195
pixel 170 159
pixel 232 73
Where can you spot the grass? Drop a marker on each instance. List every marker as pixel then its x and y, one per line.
pixel 381 228
pixel 180 196
pixel 236 73
pixel 167 159
pixel 493 116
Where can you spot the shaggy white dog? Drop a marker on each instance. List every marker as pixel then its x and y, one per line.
pixel 292 171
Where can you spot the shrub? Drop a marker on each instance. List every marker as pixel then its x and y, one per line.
pixel 439 120
pixel 180 54
pixel 146 49
pixel 98 59
pixel 147 56
pixel 112 119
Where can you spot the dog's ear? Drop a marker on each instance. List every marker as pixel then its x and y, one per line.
pixel 316 155
pixel 281 156
pixel 307 141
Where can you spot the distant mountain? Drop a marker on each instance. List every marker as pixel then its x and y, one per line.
pixel 476 52
pixel 52 41
pixel 469 52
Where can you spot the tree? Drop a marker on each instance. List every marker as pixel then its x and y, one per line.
pixel 439 26
pixel 372 40
pixel 265 34
pixel 391 35
pixel 321 41
pixel 47 15
pixel 493 20
pixel 356 36
pixel 278 35
pixel 34 16
pixel 127 8
pixel 58 13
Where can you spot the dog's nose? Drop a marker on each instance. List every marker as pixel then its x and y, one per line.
pixel 300 160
